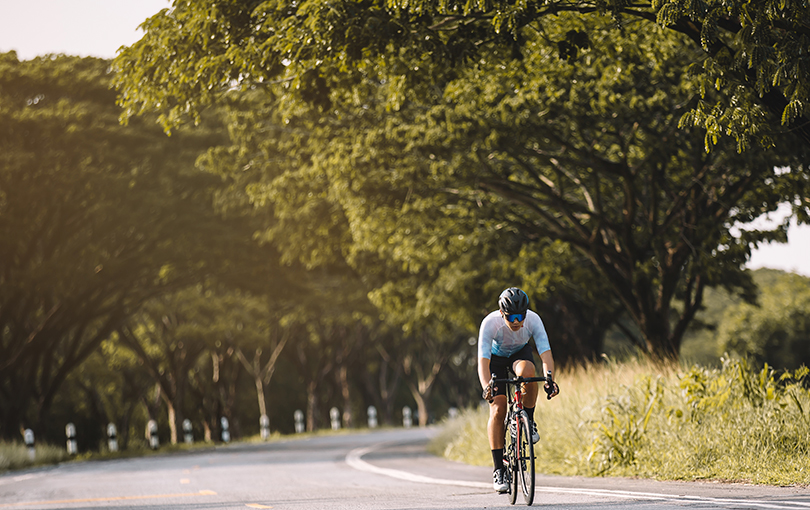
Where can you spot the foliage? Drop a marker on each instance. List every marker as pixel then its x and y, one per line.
pixel 434 168
pixel 83 226
pixel 624 425
pixel 776 329
pixel 752 51
pixel 645 420
pixel 702 342
pixel 96 218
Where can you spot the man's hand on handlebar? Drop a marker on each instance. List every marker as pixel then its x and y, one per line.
pixel 552 390
pixel 489 390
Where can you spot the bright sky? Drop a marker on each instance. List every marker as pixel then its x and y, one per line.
pixel 75 27
pixel 100 27
pixel 793 256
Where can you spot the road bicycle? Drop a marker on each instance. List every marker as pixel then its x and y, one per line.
pixel 518 456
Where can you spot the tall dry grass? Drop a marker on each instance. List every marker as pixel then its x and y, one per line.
pixel 18 456
pixel 665 422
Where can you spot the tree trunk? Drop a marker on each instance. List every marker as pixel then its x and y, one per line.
pixel 262 375
pixel 343 379
pixel 260 395
pixel 206 431
pixel 312 405
pixel 421 408
pixel 385 388
pixel 172 421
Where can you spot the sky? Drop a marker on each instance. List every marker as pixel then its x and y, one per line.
pixel 100 27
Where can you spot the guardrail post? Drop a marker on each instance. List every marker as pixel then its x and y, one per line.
pixel 264 426
pixel 407 417
pixel 112 437
pixel 372 417
pixel 226 434
pixel 299 421
pixel 152 434
pixel 334 415
pixel 188 432
pixel 28 436
pixel 70 432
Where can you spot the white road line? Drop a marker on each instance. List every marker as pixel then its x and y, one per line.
pixel 354 459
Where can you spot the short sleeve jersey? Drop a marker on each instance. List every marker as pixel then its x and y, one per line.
pixel 495 336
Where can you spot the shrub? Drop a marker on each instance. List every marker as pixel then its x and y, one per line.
pixel 640 419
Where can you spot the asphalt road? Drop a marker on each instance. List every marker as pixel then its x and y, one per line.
pixel 378 470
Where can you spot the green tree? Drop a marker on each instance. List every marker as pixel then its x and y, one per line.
pixel 776 329
pixel 95 217
pixel 501 150
pixel 752 51
pixel 106 388
pixel 261 368
pixel 589 156
pixel 169 335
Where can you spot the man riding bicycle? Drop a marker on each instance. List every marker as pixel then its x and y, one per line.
pixel 503 343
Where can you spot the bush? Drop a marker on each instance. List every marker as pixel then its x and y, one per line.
pixel 639 419
pixel 777 330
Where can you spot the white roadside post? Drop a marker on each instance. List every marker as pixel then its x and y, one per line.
pixel 264 426
pixel 152 434
pixel 226 434
pixel 372 417
pixel 453 413
pixel 334 416
pixel 299 421
pixel 407 417
pixel 188 434
pixel 70 432
pixel 28 436
pixel 112 437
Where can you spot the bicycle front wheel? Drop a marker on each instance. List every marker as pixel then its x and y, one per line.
pixel 525 454
pixel 513 470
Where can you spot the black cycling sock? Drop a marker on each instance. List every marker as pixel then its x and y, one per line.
pixel 530 412
pixel 497 458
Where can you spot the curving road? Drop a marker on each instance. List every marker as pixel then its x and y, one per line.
pixel 376 470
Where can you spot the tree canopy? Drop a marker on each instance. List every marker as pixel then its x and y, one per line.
pixel 496 158
pixel 96 218
pixel 753 52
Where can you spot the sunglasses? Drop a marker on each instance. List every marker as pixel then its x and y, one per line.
pixel 515 317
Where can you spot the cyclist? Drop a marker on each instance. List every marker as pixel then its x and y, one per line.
pixel 503 342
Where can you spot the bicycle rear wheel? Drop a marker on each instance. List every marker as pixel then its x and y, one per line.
pixel 525 463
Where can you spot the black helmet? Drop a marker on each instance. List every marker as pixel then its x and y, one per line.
pixel 513 300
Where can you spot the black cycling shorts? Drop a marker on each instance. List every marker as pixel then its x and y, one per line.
pixel 499 365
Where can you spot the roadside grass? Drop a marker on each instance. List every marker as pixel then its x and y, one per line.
pixel 639 419
pixel 16 456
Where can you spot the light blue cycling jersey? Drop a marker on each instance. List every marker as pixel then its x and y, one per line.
pixel 495 337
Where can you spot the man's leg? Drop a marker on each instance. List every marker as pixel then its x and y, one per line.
pixel 525 368
pixel 495 433
pixel 495 430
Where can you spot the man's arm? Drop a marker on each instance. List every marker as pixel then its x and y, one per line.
pixel 548 366
pixel 548 362
pixel 484 375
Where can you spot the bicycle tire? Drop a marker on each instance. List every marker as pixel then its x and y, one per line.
pixel 513 458
pixel 525 463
